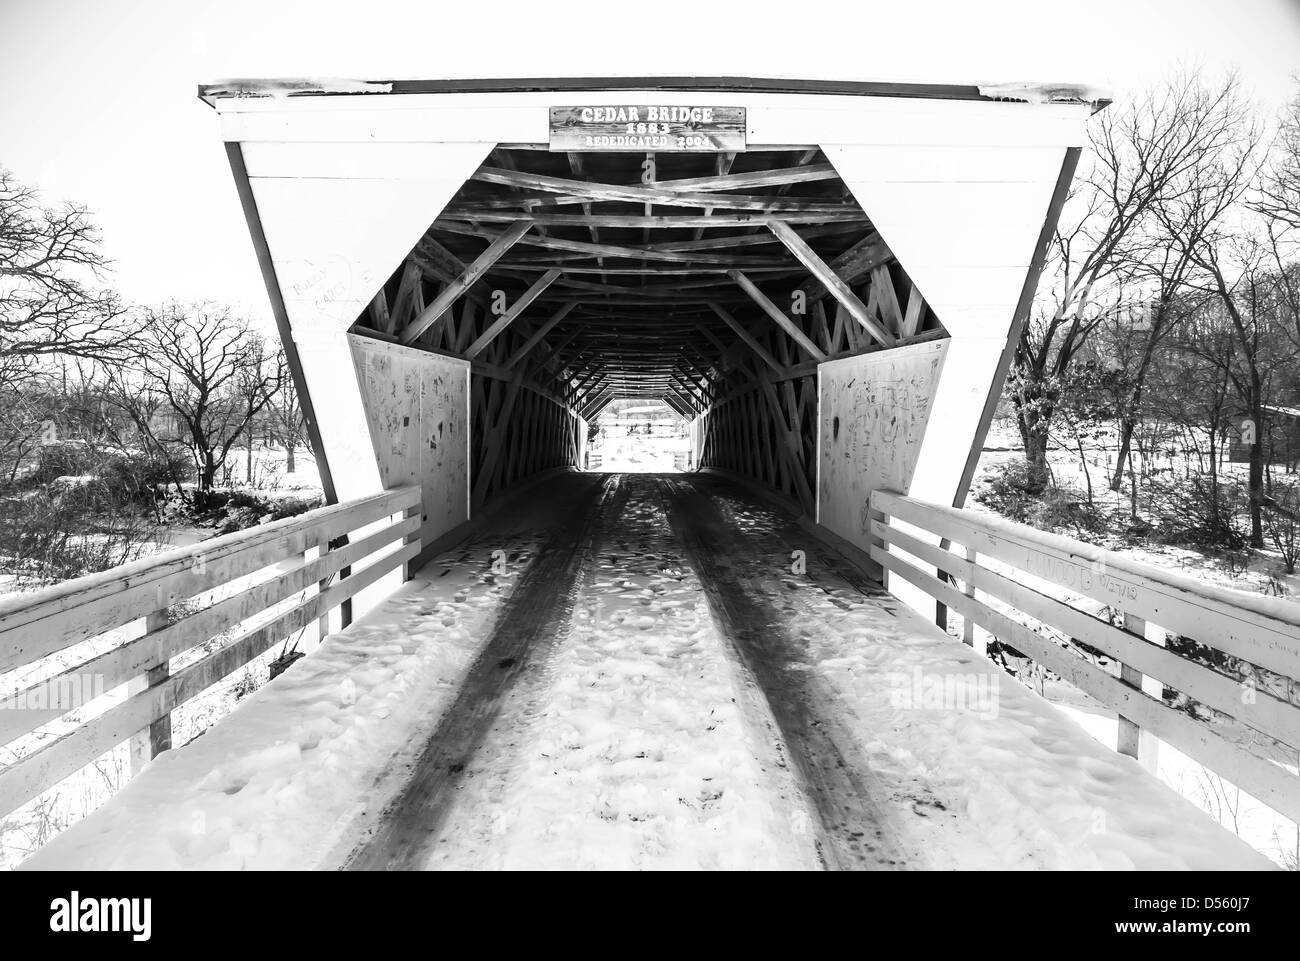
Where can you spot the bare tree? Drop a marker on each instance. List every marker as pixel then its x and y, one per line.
pixel 211 370
pixel 1239 275
pixel 1196 202
pixel 1279 195
pixel 1141 155
pixel 285 419
pixel 51 301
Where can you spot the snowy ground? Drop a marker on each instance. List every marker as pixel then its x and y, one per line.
pixel 638 453
pixel 1263 572
pixel 639 735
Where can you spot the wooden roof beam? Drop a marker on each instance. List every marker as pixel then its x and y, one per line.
pixel 670 399
pixel 457 288
pixel 656 194
pixel 506 319
pixel 632 252
pixel 833 282
pixel 763 353
pixel 721 181
pixel 539 333
pixel 647 220
pixel 775 312
pixel 852 265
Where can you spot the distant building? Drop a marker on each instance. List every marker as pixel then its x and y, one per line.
pixel 1282 444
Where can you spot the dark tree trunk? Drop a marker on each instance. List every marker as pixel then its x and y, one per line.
pixel 1256 476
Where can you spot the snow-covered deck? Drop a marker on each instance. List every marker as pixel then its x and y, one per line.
pixel 648 732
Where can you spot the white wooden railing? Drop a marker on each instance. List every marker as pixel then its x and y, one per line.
pixel 95 634
pixel 1005 571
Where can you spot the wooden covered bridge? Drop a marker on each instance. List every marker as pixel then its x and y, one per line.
pixel 826 280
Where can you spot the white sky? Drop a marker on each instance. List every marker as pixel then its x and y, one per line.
pixel 98 97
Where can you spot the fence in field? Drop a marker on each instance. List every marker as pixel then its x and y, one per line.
pixel 998 575
pixel 125 626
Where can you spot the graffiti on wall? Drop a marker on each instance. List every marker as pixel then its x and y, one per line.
pixel 417 408
pixel 873 411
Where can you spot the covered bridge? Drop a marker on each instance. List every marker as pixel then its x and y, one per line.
pixel 826 280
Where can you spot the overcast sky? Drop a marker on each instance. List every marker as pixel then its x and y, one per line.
pixel 98 97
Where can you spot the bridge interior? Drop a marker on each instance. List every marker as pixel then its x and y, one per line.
pixel 713 281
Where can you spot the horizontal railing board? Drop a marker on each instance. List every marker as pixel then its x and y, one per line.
pixel 1270 715
pixel 27 777
pixel 37 625
pixel 119 664
pixel 1269 782
pixel 1254 629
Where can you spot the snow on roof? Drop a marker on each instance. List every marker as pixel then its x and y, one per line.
pixel 1286 411
pixel 1045 92
pixel 1024 92
pixel 289 87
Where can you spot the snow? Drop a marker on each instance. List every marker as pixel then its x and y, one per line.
pixel 289 87
pixel 631 750
pixel 1045 92
pixel 657 452
pixel 270 785
pixel 636 745
pixel 1017 786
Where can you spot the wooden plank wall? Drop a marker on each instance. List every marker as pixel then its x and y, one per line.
pixel 765 423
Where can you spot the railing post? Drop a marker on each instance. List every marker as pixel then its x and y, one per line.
pixel 874 513
pixel 150 741
pixel 323 622
pixel 1130 739
pixel 968 622
pixel 408 569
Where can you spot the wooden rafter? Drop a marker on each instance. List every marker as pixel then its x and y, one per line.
pixel 852 265
pixel 657 194
pixel 541 332
pixel 506 319
pixel 648 220
pixel 775 312
pixel 762 352
pixel 457 288
pixel 834 283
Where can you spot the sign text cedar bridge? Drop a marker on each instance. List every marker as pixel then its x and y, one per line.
pixel 642 127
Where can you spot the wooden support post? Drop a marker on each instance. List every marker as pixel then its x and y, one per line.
pixel 538 334
pixel 157 737
pixel 778 315
pixel 379 316
pixel 457 288
pixel 967 622
pixel 833 283
pixel 408 569
pixel 854 263
pixel 1130 735
pixel 746 336
pixel 404 298
pixel 508 318
pixel 912 320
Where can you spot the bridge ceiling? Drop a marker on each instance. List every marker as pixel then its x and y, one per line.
pixel 657 270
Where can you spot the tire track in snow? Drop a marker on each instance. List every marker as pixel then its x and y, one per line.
pixel 628 749
pixel 536 613
pixel 855 831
